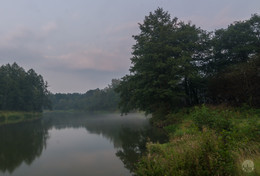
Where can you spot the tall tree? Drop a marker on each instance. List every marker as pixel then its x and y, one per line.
pixel 164 65
pixel 236 44
pixel 20 90
pixel 233 68
pixel 239 84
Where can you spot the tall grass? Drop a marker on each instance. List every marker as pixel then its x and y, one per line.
pixel 207 141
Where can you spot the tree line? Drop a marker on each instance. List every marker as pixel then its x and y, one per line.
pixel 93 100
pixel 21 90
pixel 177 64
pixel 27 91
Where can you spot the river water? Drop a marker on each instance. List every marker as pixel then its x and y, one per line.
pixel 75 144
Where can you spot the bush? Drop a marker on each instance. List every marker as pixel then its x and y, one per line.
pixel 208 141
pixel 184 128
pixel 213 119
pixel 171 128
pixel 198 155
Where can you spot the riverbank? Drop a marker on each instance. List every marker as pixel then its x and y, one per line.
pixel 11 117
pixel 206 141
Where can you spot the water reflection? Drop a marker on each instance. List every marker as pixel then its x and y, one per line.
pixel 22 143
pixel 134 144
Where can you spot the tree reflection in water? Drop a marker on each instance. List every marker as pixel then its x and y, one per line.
pixel 129 134
pixel 21 143
pixel 134 144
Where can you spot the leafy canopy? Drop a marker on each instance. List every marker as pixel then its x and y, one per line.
pixel 21 90
pixel 164 64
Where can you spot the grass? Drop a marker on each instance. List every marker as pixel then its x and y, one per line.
pixel 11 117
pixel 206 141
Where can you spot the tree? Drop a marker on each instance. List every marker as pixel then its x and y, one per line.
pixel 21 90
pixel 233 68
pixel 93 100
pixel 236 44
pixel 238 84
pixel 164 66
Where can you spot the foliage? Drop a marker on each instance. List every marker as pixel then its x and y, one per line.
pixel 201 144
pixel 164 74
pixel 217 120
pixel 21 90
pixel 190 155
pixel 93 100
pixel 237 84
pixel 176 65
pixel 236 44
pixel 233 70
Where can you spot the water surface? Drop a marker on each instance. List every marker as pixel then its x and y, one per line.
pixel 62 144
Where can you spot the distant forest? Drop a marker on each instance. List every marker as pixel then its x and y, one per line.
pixel 21 90
pixel 93 100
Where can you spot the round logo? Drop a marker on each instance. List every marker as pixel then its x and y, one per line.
pixel 248 166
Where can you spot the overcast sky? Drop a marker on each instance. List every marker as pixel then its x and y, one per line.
pixel 77 45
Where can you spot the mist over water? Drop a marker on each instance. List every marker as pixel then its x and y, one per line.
pixel 75 144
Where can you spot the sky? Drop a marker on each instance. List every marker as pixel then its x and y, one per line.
pixel 78 45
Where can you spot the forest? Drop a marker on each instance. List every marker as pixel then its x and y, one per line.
pixel 93 100
pixel 21 90
pixel 177 64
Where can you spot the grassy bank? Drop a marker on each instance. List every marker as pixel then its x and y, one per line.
pixel 10 117
pixel 205 141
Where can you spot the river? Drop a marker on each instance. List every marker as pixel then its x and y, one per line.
pixel 78 144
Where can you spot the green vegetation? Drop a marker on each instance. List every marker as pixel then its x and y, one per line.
pixel 21 90
pixel 206 141
pixel 10 117
pixel 23 95
pixel 93 100
pixel 177 66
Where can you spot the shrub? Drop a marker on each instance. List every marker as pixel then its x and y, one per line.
pixel 207 141
pixel 171 128
pixel 199 155
pixel 213 119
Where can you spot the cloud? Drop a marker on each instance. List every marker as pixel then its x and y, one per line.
pixel 15 37
pixel 221 19
pixel 122 28
pixel 49 27
pixel 111 52
pixel 25 46
pixel 94 59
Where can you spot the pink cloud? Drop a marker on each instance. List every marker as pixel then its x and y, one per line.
pixel 49 27
pixel 96 59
